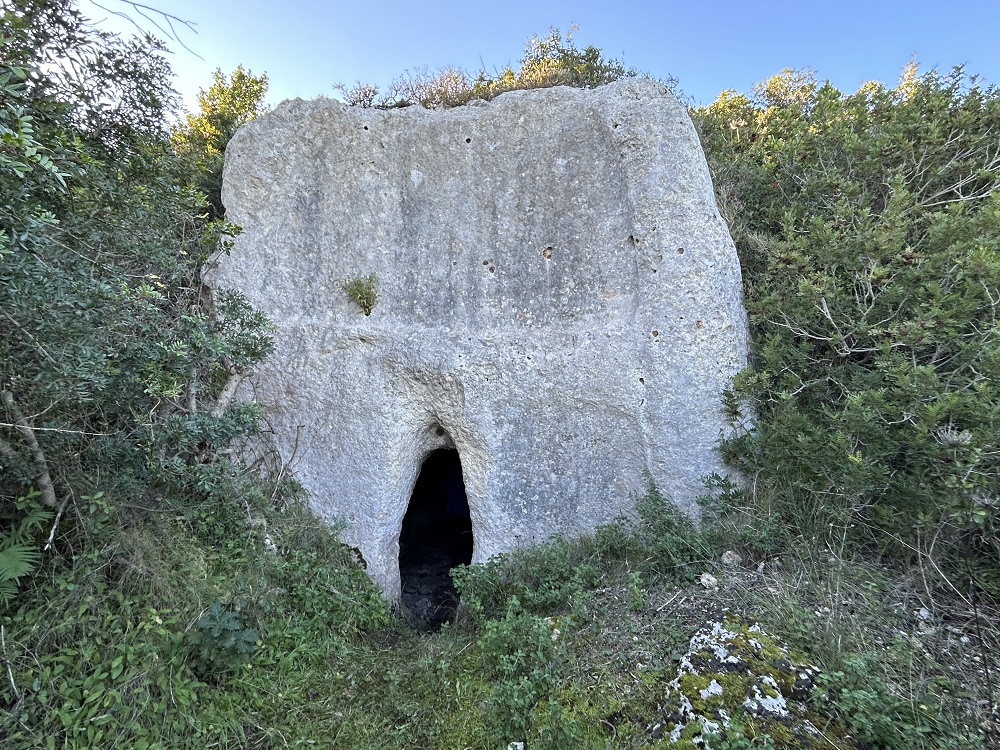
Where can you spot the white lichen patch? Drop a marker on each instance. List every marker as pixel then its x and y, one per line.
pixel 714 688
pixel 766 701
pixel 735 675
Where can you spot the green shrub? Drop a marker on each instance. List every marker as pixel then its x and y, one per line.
pixel 362 291
pixel 552 60
pixel 110 354
pixel 518 655
pixel 738 516
pixel 880 718
pixel 219 641
pixel 545 579
pixel 868 226
pixel 671 540
pixel 559 575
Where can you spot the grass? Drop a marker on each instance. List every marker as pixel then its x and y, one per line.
pixel 565 645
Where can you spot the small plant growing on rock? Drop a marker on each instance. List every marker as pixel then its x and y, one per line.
pixel 363 290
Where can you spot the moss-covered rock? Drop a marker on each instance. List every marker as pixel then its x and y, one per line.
pixel 737 682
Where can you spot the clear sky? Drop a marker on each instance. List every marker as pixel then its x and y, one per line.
pixel 306 46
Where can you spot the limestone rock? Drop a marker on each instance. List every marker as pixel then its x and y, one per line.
pixel 731 559
pixel 736 676
pixel 560 301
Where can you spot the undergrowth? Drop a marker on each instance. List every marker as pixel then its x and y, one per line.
pixel 253 626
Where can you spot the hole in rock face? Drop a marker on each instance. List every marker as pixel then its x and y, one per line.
pixel 435 537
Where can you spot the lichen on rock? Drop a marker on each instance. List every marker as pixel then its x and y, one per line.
pixel 736 676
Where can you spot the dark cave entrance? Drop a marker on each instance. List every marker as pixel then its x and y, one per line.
pixel 435 537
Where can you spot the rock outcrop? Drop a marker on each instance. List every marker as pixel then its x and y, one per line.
pixel 559 301
pixel 737 682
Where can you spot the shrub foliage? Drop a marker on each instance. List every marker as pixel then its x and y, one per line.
pixel 116 372
pixel 552 60
pixel 868 226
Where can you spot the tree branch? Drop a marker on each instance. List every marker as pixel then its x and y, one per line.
pixel 236 375
pixel 6 663
pixel 42 477
pixel 28 334
pixel 55 525
pixel 193 392
pixel 147 12
pixel 56 429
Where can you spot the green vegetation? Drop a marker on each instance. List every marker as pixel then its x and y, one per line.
pixel 109 354
pixel 202 138
pixel 552 60
pixel 362 291
pixel 868 226
pixel 162 584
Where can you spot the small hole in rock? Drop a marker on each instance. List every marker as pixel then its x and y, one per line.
pixel 366 127
pixel 680 251
pixel 656 333
pixel 492 269
pixel 486 262
pixel 547 252
pixel 642 380
pixel 468 140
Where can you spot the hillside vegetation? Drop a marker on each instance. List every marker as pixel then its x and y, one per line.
pixel 163 585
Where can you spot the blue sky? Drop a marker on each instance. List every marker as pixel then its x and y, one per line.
pixel 305 46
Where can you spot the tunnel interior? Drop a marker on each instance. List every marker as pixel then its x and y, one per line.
pixel 436 536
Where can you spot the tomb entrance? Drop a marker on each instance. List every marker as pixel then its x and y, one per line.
pixel 436 535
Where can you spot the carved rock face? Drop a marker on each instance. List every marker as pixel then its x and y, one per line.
pixel 559 300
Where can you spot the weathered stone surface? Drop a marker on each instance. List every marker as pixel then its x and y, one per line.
pixel 560 302
pixel 737 676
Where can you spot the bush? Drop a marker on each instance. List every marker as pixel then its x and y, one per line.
pixel 546 579
pixel 552 60
pixel 868 226
pixel 519 657
pixel 362 291
pixel 219 641
pixel 879 718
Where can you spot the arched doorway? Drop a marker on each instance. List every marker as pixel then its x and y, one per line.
pixel 435 537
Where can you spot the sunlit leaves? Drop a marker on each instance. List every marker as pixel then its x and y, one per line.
pixel 868 228
pixel 110 349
